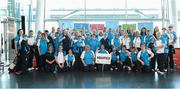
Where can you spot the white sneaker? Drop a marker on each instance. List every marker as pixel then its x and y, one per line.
pixel 160 72
pixel 129 68
pixel 165 70
pixel 116 68
pixel 111 69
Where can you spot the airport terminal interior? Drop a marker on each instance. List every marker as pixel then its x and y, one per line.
pixel 89 44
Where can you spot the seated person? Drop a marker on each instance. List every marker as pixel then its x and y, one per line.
pixel 144 58
pixel 136 63
pixel 115 62
pixel 60 59
pixel 102 51
pixel 50 59
pixel 125 58
pixel 70 60
pixel 87 58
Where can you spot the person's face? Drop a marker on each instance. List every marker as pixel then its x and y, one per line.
pixel 94 37
pixel 137 34
pixel 143 47
pixel 21 32
pixel 102 46
pixel 133 50
pixel 147 32
pixel 124 48
pixel 57 35
pixel 143 30
pixel 43 36
pixel 87 48
pixel 70 51
pixel 51 48
pixel 158 35
pixel 39 33
pixel 31 34
pixel 60 48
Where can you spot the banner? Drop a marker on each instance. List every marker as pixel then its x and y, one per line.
pixel 103 58
pixel 148 25
pixel 112 24
pixel 127 26
pixel 80 26
pixel 66 24
pixel 99 27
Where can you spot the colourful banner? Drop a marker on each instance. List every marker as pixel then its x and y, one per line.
pixel 66 24
pixel 80 26
pixel 112 24
pixel 129 26
pixel 148 25
pixel 100 27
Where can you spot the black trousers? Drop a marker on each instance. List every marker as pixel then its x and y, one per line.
pixel 153 62
pixel 99 67
pixel 137 65
pixel 78 65
pixel 160 61
pixel 171 56
pixel 50 67
pixel 41 63
pixel 22 63
pixel 127 62
pixel 116 65
pixel 146 68
pixel 31 55
pixel 89 68
pixel 166 64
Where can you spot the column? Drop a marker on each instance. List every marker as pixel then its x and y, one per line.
pixel 40 15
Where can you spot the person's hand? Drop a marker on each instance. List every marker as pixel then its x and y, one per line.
pixel 142 63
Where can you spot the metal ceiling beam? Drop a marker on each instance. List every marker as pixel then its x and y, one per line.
pixel 103 9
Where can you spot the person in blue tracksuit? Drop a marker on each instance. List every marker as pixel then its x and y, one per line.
pixel 115 62
pixel 70 60
pixel 116 42
pixel 143 34
pixel 87 58
pixel 87 40
pixel 165 38
pixel 136 63
pixel 110 35
pixel 159 44
pixel 172 40
pixel 56 42
pixel 125 58
pixel 94 43
pixel 147 38
pixel 77 50
pixel 42 49
pixel 102 50
pixel 144 58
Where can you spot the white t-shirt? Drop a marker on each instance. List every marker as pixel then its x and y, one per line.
pixel 126 41
pixel 137 42
pixel 60 57
pixel 159 43
pixel 31 41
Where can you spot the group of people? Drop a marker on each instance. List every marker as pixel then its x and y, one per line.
pixel 71 50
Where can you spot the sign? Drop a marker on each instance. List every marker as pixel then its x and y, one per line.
pixel 112 24
pixel 99 27
pixel 148 25
pixel 80 26
pixel 129 26
pixel 66 24
pixel 103 58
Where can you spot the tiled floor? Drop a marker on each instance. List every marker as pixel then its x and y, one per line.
pixel 35 79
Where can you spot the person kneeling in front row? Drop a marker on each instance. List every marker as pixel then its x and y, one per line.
pixel 87 58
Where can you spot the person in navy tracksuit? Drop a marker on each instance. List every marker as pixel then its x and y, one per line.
pixel 143 34
pixel 87 58
pixel 144 58
pixel 50 59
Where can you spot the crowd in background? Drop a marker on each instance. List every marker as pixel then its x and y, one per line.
pixel 70 50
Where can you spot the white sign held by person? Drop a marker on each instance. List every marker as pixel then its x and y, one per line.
pixel 103 58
